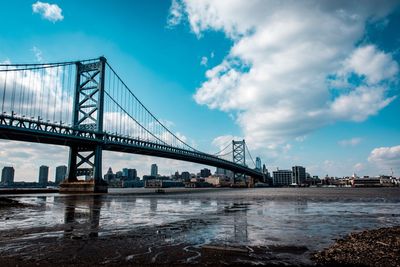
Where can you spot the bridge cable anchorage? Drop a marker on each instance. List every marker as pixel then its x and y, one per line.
pixel 248 151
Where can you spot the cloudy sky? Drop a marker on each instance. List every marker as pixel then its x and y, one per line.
pixel 312 83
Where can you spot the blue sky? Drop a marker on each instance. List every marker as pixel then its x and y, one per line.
pixel 307 83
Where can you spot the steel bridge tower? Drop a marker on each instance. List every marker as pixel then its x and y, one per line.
pixel 88 109
pixel 239 157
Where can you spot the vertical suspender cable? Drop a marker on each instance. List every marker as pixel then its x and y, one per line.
pixel 4 89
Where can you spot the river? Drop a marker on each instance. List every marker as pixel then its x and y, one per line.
pixel 281 225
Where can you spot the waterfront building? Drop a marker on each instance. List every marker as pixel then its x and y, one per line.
pixel 205 173
pixel 148 177
pixel 154 170
pixel 132 183
pixel 61 172
pixel 7 175
pixel 218 180
pixel 43 175
pixel 185 176
pixel 282 177
pixel 298 175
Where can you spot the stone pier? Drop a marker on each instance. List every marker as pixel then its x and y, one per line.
pixel 81 186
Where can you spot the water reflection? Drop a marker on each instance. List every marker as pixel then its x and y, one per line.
pixel 82 216
pixel 240 226
pixel 153 206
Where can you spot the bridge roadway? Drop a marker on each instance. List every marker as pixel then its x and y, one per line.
pixel 30 130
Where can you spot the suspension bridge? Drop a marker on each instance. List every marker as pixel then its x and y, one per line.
pixel 86 106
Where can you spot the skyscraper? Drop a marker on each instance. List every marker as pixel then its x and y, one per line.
pixel 154 170
pixel 7 175
pixel 109 176
pixel 298 175
pixel 43 175
pixel 61 172
pixel 258 163
pixel 130 174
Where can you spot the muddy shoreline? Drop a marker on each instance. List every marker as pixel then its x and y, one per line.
pixel 378 247
pixel 285 227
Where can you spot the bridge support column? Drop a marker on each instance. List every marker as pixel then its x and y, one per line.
pixel 239 157
pixel 85 159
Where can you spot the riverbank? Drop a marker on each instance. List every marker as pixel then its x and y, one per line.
pixel 379 247
pixel 20 191
pixel 212 227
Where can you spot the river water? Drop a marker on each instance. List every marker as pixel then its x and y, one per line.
pixel 285 217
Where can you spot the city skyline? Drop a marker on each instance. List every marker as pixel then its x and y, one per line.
pixel 357 131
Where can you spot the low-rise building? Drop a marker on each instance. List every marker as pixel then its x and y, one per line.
pixel 282 177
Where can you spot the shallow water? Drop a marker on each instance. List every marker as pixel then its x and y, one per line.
pixel 311 217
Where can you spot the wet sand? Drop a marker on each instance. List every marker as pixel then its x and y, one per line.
pixel 271 227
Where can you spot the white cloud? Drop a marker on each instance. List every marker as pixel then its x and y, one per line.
pixel 51 12
pixel 38 54
pixel 175 14
pixel 350 142
pixel 277 74
pixel 386 158
pixel 204 61
pixel 360 103
pixel 373 64
pixel 358 167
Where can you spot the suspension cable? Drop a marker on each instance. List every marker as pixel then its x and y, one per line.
pixel 248 151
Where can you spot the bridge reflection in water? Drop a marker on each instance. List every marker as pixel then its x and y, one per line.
pixel 82 216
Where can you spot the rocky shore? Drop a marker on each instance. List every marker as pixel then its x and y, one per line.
pixel 380 247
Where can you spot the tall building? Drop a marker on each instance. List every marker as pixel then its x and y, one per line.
pixel 205 173
pixel 298 175
pixel 258 163
pixel 282 177
pixel 129 174
pixel 154 170
pixel 43 175
pixel 61 172
pixel 109 176
pixel 7 175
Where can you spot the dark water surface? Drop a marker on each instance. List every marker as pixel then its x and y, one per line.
pixel 272 217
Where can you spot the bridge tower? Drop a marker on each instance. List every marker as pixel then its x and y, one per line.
pixel 239 157
pixel 88 109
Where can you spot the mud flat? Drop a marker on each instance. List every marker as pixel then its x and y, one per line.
pixel 380 247
pixel 219 227
pixel 12 191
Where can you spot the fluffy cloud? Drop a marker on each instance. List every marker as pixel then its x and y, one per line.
pixel 280 73
pixel 373 64
pixel 51 12
pixel 386 157
pixel 350 142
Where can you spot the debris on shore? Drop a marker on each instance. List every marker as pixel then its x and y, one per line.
pixel 380 247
